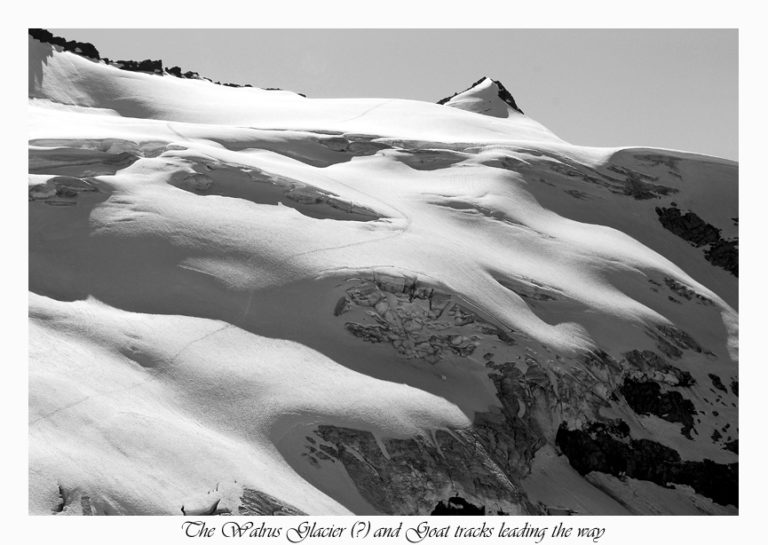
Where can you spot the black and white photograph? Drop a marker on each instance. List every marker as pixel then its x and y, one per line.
pixel 400 272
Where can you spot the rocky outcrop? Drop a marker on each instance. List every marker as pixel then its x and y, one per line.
pixel 506 96
pixel 647 364
pixel 457 506
pixel 672 341
pixel 717 382
pixel 511 435
pixel 685 292
pixel 414 319
pixel 254 503
pixel 83 49
pixel 617 179
pixel 646 398
pixel 411 476
pixel 608 448
pixel 147 65
pixel 536 397
pixel 503 94
pixel 691 228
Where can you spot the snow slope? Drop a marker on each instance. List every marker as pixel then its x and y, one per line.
pixel 246 300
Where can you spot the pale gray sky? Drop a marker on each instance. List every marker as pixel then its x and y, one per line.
pixel 664 88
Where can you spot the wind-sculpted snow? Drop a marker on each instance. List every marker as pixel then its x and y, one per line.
pixel 252 302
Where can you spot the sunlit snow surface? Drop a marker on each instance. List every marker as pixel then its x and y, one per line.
pixel 188 243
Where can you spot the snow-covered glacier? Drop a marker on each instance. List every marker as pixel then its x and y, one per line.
pixel 247 301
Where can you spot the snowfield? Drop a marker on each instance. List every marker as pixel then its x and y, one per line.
pixel 249 301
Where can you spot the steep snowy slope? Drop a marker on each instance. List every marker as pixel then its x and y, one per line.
pixel 255 302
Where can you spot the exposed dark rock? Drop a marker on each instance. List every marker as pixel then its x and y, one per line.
pixel 717 383
pixel 685 292
pixel 256 503
pixel 147 65
pixel 691 228
pixel 732 446
pixel 503 93
pixel 671 341
pixel 735 387
pixel 641 186
pixel 407 318
pixel 658 160
pixel 414 474
pixel 646 397
pixel 457 506
pixel 506 96
pixel 342 305
pixel 84 49
pixel 724 254
pixel 369 333
pixel 512 440
pixel 688 226
pixel 617 179
pixel 599 447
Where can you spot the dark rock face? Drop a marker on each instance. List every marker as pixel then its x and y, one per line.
pixel 607 447
pixel 646 397
pixel 147 65
pixel 685 292
pixel 671 341
pixel 691 228
pixel 411 476
pixel 724 254
pixel 457 506
pixel 512 440
pixel 688 226
pixel 534 398
pixel 84 49
pixel 717 383
pixel 651 365
pixel 256 503
pixel 504 94
pixel 407 316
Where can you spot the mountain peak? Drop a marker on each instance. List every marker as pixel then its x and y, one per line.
pixel 486 96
